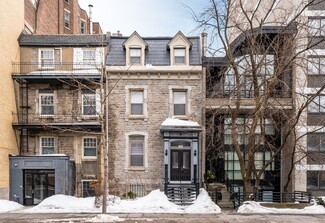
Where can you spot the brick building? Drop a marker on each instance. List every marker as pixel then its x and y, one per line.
pixel 57 17
pixel 59 113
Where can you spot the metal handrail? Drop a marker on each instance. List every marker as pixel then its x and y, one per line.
pixel 53 68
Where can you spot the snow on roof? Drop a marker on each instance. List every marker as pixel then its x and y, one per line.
pixel 6 206
pixel 179 122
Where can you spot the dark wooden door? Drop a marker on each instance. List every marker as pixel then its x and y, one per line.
pixel 180 165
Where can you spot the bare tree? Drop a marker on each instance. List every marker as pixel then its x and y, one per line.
pixel 256 102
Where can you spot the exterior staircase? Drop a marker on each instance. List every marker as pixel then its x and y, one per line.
pixel 220 195
pixel 181 194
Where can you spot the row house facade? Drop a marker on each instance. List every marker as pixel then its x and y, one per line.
pixel 156 101
pixel 58 79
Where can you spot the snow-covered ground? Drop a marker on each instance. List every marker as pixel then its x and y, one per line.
pixel 154 202
pixel 6 206
pixel 255 207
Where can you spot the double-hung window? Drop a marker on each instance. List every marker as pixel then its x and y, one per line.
pixel 47 58
pixel 179 103
pixel 89 57
pixel 82 27
pixel 90 147
pixel 88 102
pixel 46 99
pixel 136 102
pixel 136 150
pixel 135 55
pixel 66 19
pixel 47 145
pixel 179 54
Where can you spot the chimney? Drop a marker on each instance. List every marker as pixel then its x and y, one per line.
pixel 204 44
pixel 90 19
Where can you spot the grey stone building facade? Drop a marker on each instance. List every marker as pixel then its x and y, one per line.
pixel 153 80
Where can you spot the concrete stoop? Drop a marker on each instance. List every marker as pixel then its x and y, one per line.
pixel 220 195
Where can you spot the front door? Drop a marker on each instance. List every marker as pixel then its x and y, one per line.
pixel 180 165
pixel 38 186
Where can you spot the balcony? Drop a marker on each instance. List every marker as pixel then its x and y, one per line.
pixel 56 121
pixel 38 71
pixel 223 99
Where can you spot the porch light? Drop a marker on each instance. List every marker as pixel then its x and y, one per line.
pixel 194 152
pixel 166 152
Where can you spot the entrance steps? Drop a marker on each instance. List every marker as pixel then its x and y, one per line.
pixel 181 194
pixel 220 195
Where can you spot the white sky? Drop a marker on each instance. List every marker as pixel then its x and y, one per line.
pixel 147 17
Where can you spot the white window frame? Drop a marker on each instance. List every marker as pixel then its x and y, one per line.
pixel 135 49
pixel 65 21
pixel 97 103
pixel 180 49
pixel 128 152
pixel 92 60
pixel 41 144
pixel 83 147
pixel 40 103
pixel 41 59
pixel 128 90
pixel 186 89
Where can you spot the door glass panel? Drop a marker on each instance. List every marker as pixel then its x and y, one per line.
pixel 51 184
pixel 28 189
pixel 186 160
pixel 39 182
pixel 175 160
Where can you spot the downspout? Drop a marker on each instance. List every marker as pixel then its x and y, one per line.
pixel 59 16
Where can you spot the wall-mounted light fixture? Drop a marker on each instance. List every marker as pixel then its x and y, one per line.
pixel 194 152
pixel 166 152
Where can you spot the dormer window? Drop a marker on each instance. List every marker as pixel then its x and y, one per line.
pixel 179 55
pixel 135 55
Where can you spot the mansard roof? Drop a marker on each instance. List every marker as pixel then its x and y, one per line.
pixel 63 40
pixel 157 52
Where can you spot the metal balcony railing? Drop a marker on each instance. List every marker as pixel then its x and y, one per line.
pixel 56 119
pixel 56 68
pixel 221 93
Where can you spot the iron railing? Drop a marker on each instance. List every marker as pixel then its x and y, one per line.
pixel 56 68
pixel 37 119
pixel 221 93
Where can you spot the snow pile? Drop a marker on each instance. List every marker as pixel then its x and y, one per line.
pixel 179 122
pixel 105 218
pixel 6 206
pixel 65 203
pixel 154 202
pixel 255 207
pixel 203 204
